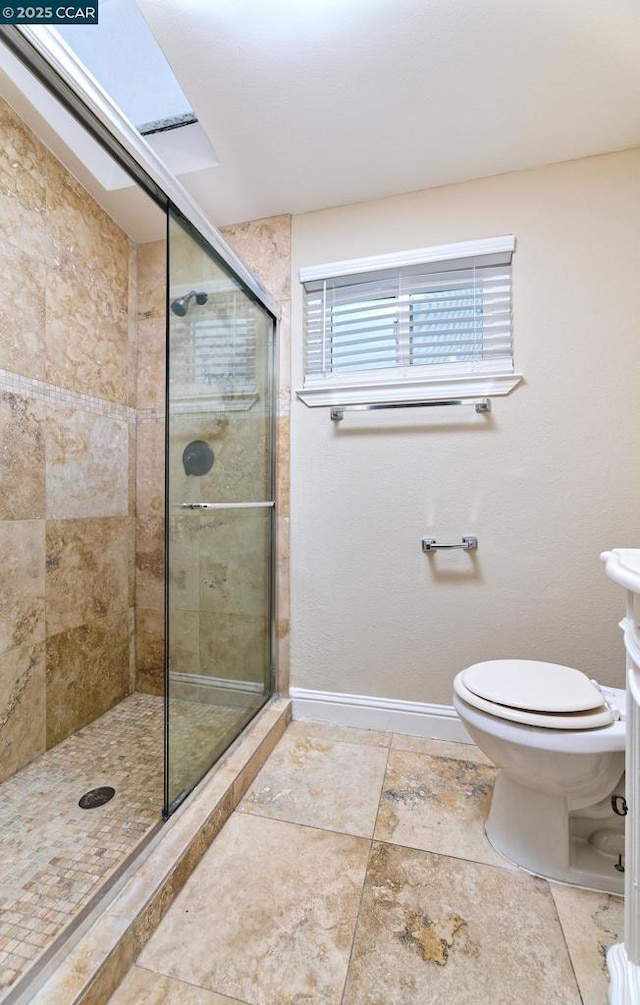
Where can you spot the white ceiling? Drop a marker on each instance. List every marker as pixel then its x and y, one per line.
pixel 316 103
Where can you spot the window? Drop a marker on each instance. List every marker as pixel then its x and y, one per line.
pixel 431 323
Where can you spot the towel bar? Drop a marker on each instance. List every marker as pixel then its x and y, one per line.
pixel 337 414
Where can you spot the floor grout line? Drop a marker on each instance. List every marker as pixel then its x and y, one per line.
pixel 508 869
pixel 566 944
pixel 384 778
pixel 298 823
pixel 355 926
pixel 366 873
pixel 181 980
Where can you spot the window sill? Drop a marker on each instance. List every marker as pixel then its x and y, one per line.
pixel 480 385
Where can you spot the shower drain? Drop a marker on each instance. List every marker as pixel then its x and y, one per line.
pixel 96 797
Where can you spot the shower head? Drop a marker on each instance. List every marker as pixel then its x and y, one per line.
pixel 181 305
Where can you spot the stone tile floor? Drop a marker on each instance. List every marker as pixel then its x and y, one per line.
pixel 356 872
pixel 54 856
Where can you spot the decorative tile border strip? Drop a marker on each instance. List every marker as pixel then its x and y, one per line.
pixel 29 387
pixel 151 414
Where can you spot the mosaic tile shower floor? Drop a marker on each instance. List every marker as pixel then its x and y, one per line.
pixel 54 856
pixel 356 871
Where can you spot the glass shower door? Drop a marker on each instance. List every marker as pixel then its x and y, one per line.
pixel 219 502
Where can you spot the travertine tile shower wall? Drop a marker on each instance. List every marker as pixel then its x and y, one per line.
pixel 67 452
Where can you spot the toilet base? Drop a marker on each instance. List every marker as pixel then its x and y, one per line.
pixel 536 831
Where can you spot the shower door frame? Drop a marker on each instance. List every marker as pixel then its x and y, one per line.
pixel 273 368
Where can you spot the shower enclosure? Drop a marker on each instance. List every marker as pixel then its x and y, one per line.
pixel 136 505
pixel 219 523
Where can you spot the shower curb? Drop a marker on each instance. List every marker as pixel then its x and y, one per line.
pixel 91 971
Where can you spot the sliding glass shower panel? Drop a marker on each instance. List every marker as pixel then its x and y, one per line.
pixel 219 510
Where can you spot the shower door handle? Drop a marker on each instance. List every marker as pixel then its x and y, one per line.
pixel 236 505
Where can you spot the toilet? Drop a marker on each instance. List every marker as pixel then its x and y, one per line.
pixel 558 739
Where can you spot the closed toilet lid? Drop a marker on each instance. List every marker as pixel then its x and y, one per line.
pixel 595 718
pixel 532 686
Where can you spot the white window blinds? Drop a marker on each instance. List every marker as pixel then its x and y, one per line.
pixel 438 311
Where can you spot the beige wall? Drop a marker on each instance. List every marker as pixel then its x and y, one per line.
pixel 548 482
pixel 67 386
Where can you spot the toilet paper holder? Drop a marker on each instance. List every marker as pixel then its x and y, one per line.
pixel 469 543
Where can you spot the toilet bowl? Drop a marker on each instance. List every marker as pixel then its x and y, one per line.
pixel 559 742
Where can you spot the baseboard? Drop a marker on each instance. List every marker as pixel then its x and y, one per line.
pixel 438 722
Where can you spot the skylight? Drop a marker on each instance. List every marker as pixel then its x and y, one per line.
pixel 123 55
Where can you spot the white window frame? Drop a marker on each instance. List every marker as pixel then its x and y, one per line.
pixel 403 384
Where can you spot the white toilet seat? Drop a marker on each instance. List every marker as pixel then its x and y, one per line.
pixel 534 694
pixel 532 685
